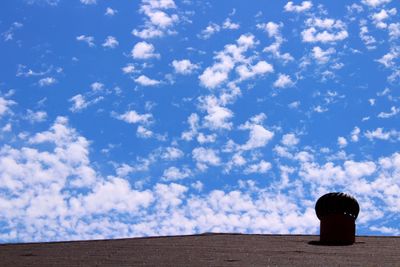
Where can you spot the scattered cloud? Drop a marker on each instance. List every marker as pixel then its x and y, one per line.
pixel 217 116
pixel 5 106
pixel 261 167
pixel 110 42
pixel 290 140
pixel 87 39
pixel 324 30
pixel 48 81
pixel 322 56
pixel 393 112
pixel 38 116
pixel 380 134
pixel 146 81
pixel 128 69
pixel 184 66
pixel 258 135
pixel 158 22
pixel 174 174
pixel 205 157
pixel 375 3
pixel 144 50
pixel 89 2
pixel 133 117
pixel 304 6
pixel 9 34
pixel 218 73
pixel 110 12
pixel 283 81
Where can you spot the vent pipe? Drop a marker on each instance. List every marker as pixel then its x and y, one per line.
pixel 337 213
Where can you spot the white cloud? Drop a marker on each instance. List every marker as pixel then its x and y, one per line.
pixel 184 66
pixel 283 151
pixel 128 69
pixel 48 2
pixel 320 109
pixel 283 81
pixel 294 105
pixel 356 170
pixel 144 50
pixel 322 56
pixel 355 134
pixel 78 103
pixel 388 59
pixel 23 71
pixel 161 4
pixel 193 121
pixel 172 153
pixel 228 24
pixel 174 174
pixel 157 22
pixel 375 3
pixel 217 116
pixel 87 39
pixel 9 34
pixel 161 19
pixel 202 138
pixel 7 128
pixel 89 2
pixel 124 169
pixel 394 30
pixel 110 42
pixel 273 30
pixel 205 156
pixel 210 30
pixel 393 112
pixel 143 132
pixel 213 28
pixel 258 135
pixel 262 67
pixel 261 167
pixel 5 106
pixel 236 160
pixel 381 16
pixel 69 160
pixel 47 81
pixel 304 6
pixel 146 81
pixel 148 33
pixel 212 78
pixel 246 72
pixel 97 86
pixel 198 185
pixel 342 142
pixel 133 117
pixel 110 12
pixel 379 133
pixel 218 73
pixel 324 31
pixel 114 195
pixel 38 116
pixel 290 140
pixel 386 230
pixel 368 40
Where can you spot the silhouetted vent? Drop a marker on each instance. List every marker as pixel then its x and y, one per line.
pixel 337 203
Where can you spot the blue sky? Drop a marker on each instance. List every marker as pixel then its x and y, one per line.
pixel 164 117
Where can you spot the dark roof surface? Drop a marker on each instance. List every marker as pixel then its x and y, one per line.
pixel 205 250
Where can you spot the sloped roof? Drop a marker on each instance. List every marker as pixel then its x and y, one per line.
pixel 205 250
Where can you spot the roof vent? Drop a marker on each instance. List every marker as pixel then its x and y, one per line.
pixel 337 213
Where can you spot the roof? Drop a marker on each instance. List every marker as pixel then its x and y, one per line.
pixel 204 250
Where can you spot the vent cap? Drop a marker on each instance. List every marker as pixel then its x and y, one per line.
pixel 337 203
